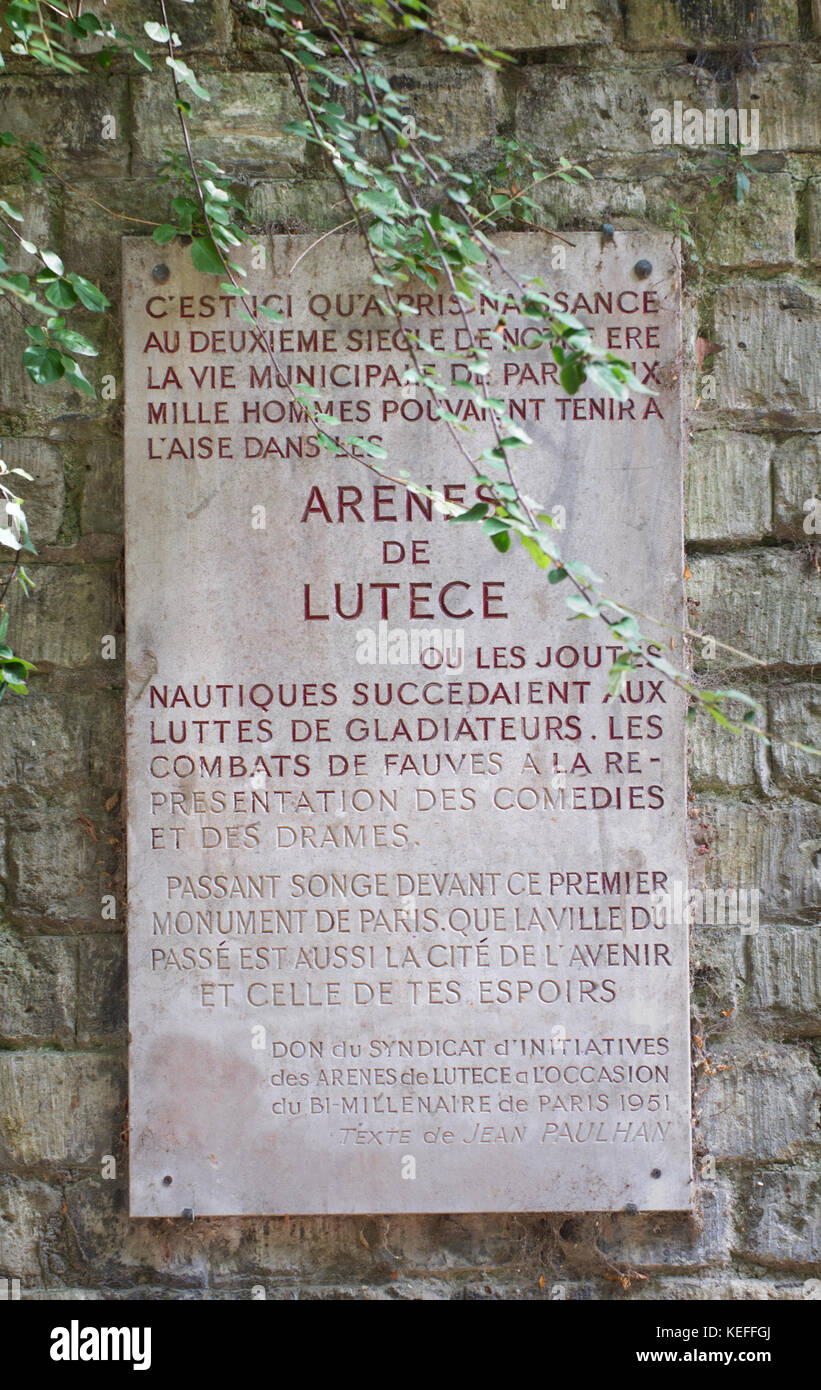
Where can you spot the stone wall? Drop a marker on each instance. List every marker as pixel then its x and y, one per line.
pixel 588 78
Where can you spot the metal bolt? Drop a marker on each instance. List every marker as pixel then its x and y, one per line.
pixel 161 273
pixel 631 1209
pixel 188 1213
pixel 643 269
pixel 655 1173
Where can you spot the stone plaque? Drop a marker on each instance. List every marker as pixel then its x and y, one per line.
pixel 405 884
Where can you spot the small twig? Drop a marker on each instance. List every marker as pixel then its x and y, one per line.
pixel 350 222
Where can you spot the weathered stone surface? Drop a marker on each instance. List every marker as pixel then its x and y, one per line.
pixel 717 758
pixel 241 127
pixel 719 974
pixel 787 97
pixel 569 113
pixel 459 105
pixel 39 225
pixel 438 1258
pixel 781 1222
pixel 101 509
pixel 590 201
pixel 43 498
pixel 181 631
pixel 771 339
pixel 284 206
pixel 785 978
pixel 59 1107
pixel 796 482
pixel 759 603
pixel 38 982
pixel 671 1243
pixel 126 1253
pixel 760 231
pixel 530 23
pixel 772 849
pixel 33 1240
pixel 710 1288
pixel 58 871
pixel 63 621
pixel 760 1106
pixel 36 406
pixel 727 486
pixel 66 746
pixel 81 121
pixel 795 715
pixel 101 1002
pixel 205 25
pixel 92 238
pixel 814 219
pixel 654 23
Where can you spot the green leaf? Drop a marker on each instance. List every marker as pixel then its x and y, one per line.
pixel 52 260
pixel 205 256
pixel 535 551
pixel 88 294
pixel 581 607
pixel 164 233
pixel 474 513
pixel 43 365
pixel 375 451
pixel 75 342
pixel 75 375
pixel 157 32
pixel 61 294
pixel 188 75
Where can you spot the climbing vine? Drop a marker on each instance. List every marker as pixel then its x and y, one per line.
pixel 420 218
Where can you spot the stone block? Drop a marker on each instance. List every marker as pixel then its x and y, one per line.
pixel 38 982
pixel 566 112
pixel 781 1217
pixel 796 486
pixel 33 1234
pixel 758 232
pixel 727 486
pixel 718 759
pixel 284 206
pixel 59 1108
pixel 101 1002
pixel 758 1106
pixel 657 23
pixel 760 603
pixel 66 746
pixel 771 340
pixel 530 24
pixel 43 498
pixel 241 127
pixel 63 620
pixel 785 978
pixel 788 99
pixel 795 716
pixel 57 871
pixel 772 849
pixel 81 121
